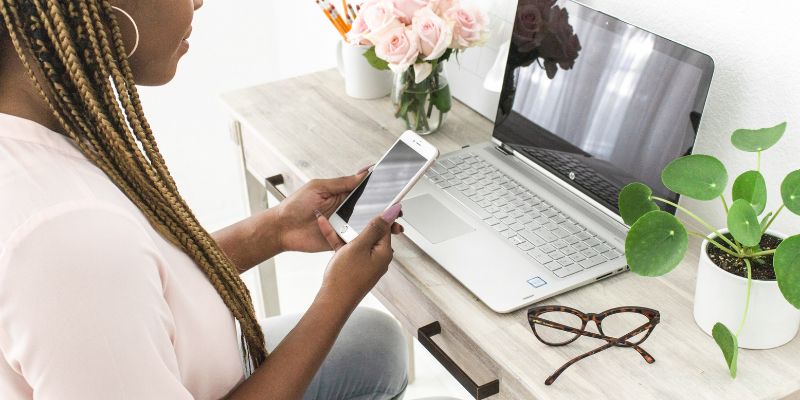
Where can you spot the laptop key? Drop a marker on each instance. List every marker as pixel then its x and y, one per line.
pixel 500 227
pixel 531 237
pixel 568 270
pixel 560 233
pixel 508 233
pixel 577 257
pixel 565 261
pixel 540 257
pixel 547 236
pixel 471 205
pixel 592 261
pixel 548 248
pixel 552 265
pixel 591 242
pixel 516 239
pixel 525 246
pixel 516 226
pixel 491 221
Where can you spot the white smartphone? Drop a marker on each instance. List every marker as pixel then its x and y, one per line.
pixel 387 182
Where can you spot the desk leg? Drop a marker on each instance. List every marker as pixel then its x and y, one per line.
pixel 265 292
pixel 266 273
pixel 412 369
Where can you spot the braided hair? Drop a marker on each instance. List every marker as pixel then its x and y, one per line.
pixel 84 76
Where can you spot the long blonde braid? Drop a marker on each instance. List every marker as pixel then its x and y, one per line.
pixel 86 80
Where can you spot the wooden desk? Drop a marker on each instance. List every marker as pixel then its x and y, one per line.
pixel 306 127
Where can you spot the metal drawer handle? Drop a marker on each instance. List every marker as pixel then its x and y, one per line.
pixel 271 184
pixel 424 335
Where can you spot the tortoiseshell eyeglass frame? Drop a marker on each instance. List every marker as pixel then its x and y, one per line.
pixel 653 317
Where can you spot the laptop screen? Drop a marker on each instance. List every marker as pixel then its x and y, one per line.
pixel 598 102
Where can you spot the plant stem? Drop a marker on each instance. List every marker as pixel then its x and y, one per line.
pixel 714 242
pixel 763 253
pixel 700 220
pixel 747 296
pixel 772 219
pixel 758 162
pixel 724 203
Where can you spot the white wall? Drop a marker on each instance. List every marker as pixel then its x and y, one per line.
pixel 756 82
pixel 233 45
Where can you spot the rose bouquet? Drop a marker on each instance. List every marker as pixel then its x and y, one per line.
pixel 414 38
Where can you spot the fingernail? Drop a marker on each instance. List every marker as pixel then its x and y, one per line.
pixel 317 213
pixel 392 213
pixel 365 169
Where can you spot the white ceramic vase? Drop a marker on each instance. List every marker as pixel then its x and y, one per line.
pixel 720 297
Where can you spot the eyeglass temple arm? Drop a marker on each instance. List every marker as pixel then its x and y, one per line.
pixel 622 339
pixel 647 357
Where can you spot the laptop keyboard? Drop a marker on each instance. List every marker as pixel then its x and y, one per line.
pixel 584 175
pixel 534 226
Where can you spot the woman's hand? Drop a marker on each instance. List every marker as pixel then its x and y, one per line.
pixel 357 266
pixel 297 227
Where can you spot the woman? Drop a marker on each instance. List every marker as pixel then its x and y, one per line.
pixel 109 287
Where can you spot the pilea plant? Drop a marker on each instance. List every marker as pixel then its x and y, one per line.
pixel 657 241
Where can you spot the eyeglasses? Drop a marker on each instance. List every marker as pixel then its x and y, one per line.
pixel 626 327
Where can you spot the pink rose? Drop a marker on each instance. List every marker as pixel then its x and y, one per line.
pixel 442 6
pixel 359 31
pixel 470 26
pixel 379 17
pixel 434 33
pixel 399 47
pixel 405 9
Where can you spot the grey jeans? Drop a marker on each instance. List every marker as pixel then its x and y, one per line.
pixel 367 362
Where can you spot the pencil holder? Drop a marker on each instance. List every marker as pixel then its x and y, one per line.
pixel 361 81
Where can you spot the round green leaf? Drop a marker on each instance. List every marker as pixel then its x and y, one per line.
pixel 743 223
pixel 698 176
pixel 790 191
pixel 757 139
pixel 634 201
pixel 728 344
pixel 787 269
pixel 655 244
pixel 751 186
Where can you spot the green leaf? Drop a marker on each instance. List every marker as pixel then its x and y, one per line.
pixel 698 176
pixel 787 269
pixel 765 220
pixel 757 139
pixel 446 55
pixel 375 61
pixel 655 244
pixel 752 187
pixel 743 223
pixel 441 99
pixel 634 201
pixel 790 191
pixel 729 345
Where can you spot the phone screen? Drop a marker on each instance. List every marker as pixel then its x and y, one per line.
pixel 377 191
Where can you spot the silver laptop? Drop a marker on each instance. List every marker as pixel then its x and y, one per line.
pixel 533 213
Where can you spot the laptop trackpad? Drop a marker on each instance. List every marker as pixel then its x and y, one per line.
pixel 432 219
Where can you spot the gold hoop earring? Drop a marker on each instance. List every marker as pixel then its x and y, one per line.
pixel 135 28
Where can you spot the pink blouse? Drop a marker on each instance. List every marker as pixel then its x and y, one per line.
pixel 94 304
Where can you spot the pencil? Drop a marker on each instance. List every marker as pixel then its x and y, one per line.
pixel 338 19
pixel 352 11
pixel 344 7
pixel 333 21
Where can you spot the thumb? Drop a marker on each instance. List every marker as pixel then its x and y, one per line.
pixel 379 227
pixel 344 184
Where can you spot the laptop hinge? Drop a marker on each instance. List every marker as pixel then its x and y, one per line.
pixel 503 148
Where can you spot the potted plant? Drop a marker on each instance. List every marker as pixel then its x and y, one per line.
pixel 748 281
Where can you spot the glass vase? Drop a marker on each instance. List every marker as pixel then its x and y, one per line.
pixel 423 106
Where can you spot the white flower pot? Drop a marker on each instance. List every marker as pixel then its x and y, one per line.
pixel 720 297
